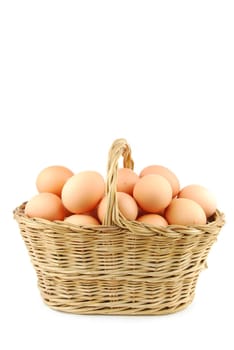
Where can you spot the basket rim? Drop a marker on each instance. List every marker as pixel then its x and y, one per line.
pixel 134 226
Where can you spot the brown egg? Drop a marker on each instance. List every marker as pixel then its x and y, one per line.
pixel 183 211
pixel 46 206
pixel 165 172
pixel 127 206
pixel 153 193
pixel 202 196
pixel 80 219
pixel 153 219
pixel 83 191
pixel 52 179
pixel 126 180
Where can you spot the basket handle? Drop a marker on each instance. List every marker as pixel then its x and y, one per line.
pixel 119 148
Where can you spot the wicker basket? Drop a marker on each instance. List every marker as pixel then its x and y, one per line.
pixel 121 267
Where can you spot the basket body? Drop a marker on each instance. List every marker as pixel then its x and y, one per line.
pixel 116 270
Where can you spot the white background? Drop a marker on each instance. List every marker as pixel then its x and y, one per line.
pixel 75 75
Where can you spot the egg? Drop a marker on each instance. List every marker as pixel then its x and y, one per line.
pixel 126 180
pixel 82 192
pixel 202 196
pixel 80 219
pixel 153 193
pixel 165 172
pixel 153 219
pixel 46 206
pixel 52 179
pixel 126 204
pixel 183 211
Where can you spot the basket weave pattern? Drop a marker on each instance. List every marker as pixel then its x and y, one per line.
pixel 120 267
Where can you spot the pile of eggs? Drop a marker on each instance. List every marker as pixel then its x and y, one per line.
pixel 152 197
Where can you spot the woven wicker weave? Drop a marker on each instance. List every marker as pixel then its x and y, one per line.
pixel 120 267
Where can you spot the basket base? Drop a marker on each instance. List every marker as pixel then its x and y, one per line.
pixel 119 311
pixel 112 304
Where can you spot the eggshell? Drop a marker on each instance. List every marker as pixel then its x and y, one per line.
pixel 80 219
pixel 153 219
pixel 126 180
pixel 46 206
pixel 52 179
pixel 202 196
pixel 82 192
pixel 127 206
pixel 165 172
pixel 153 193
pixel 183 211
